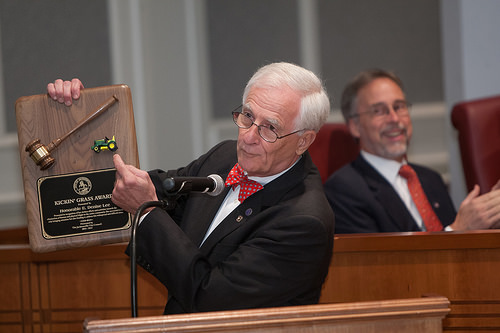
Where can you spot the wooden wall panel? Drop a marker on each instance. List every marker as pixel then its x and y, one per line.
pixel 11 276
pixel 55 292
pixel 11 306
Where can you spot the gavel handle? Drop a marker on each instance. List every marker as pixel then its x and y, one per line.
pixel 103 107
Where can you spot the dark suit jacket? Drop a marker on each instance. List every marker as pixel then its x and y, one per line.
pixel 272 250
pixel 364 201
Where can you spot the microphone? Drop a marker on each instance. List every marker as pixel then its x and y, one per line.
pixel 212 185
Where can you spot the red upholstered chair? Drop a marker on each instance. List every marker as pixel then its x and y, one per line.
pixel 333 147
pixel 478 125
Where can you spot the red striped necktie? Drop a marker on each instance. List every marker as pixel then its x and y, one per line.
pixel 429 218
pixel 247 186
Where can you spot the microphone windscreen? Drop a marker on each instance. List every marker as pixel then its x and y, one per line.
pixel 219 185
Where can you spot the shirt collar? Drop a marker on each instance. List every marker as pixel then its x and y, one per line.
pixel 389 169
pixel 265 180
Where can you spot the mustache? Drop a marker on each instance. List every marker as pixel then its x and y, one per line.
pixel 393 127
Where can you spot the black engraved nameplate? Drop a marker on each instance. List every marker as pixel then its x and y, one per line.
pixel 79 204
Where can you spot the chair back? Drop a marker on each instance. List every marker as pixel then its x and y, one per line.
pixel 478 125
pixel 333 148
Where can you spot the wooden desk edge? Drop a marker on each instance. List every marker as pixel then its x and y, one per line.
pixel 19 250
pixel 414 241
pixel 437 307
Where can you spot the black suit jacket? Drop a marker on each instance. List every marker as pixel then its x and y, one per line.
pixel 364 201
pixel 272 250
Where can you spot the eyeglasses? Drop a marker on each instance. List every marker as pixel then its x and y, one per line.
pixel 401 108
pixel 266 132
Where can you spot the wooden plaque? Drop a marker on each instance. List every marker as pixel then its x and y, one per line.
pixel 69 203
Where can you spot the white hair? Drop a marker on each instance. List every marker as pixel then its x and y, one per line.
pixel 314 104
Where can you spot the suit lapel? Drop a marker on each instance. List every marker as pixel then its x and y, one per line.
pixel 236 219
pixel 272 193
pixel 385 194
pixel 196 228
pixel 196 224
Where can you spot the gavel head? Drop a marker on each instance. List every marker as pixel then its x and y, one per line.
pixel 40 154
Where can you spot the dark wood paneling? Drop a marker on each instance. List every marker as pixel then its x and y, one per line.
pixel 57 291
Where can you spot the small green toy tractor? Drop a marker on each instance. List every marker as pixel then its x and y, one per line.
pixel 104 144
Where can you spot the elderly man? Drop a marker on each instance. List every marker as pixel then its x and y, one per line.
pixel 272 248
pixel 380 191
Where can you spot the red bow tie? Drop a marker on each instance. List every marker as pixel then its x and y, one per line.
pixel 247 186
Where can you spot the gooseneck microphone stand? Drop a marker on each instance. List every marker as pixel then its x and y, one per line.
pixel 167 204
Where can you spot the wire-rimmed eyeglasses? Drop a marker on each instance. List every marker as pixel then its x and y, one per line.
pixel 266 132
pixel 401 108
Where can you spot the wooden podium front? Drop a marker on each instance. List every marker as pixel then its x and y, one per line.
pixel 401 316
pixel 67 166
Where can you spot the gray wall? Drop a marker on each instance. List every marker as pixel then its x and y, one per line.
pixel 471 53
pixel 402 36
pixel 43 40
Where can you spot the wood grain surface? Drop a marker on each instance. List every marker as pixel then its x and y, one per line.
pixel 39 117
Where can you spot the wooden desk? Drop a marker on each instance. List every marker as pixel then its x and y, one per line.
pixel 55 292
pixel 464 267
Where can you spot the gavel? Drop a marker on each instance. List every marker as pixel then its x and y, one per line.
pixel 41 153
